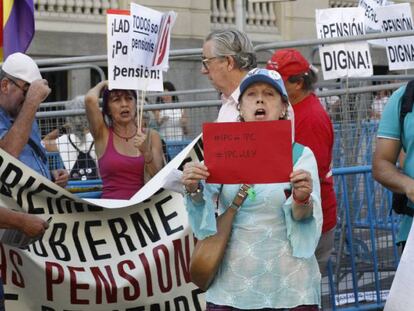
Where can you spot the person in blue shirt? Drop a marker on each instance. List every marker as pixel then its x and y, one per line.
pixel 269 262
pixel 391 139
pixel 22 89
pixel 31 225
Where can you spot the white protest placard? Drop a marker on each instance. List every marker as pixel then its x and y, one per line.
pixel 370 8
pixel 400 51
pixel 344 59
pixel 150 36
pixel 122 73
pixel 161 54
pixel 144 34
pixel 401 292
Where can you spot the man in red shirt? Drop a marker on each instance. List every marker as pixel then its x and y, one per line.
pixel 313 128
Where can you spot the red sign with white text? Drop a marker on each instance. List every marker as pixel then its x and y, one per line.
pixel 248 152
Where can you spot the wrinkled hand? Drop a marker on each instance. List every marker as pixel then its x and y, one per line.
pixel 61 177
pixel 302 184
pixel 38 91
pixel 192 174
pixel 32 225
pixel 140 141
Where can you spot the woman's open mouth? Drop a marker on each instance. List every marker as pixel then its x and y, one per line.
pixel 260 113
pixel 125 113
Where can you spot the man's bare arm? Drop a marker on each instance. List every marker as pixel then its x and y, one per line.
pixel 384 167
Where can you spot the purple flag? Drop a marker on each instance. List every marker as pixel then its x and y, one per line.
pixel 18 27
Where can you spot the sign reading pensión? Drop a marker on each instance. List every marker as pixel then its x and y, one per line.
pixel 138 47
pixel 122 73
pixel 343 59
pixel 400 51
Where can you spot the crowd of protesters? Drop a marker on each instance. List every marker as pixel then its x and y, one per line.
pixel 301 220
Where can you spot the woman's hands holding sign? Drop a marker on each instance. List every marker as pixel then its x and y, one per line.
pixel 302 188
pixel 192 174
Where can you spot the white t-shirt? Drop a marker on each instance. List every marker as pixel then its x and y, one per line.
pixel 171 128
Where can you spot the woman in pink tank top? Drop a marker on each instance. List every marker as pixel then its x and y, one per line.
pixel 122 149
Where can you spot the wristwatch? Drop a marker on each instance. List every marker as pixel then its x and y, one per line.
pixel 240 197
pixel 198 191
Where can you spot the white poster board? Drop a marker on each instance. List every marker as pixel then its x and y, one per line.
pixel 401 292
pixel 400 51
pixel 122 72
pixel 150 36
pixel 370 13
pixel 344 59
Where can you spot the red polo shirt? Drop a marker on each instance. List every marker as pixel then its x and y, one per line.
pixel 313 128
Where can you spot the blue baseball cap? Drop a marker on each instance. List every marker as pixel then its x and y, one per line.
pixel 270 77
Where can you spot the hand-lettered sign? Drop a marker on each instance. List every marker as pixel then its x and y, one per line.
pixel 248 152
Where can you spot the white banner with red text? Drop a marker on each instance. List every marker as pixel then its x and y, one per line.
pixel 133 256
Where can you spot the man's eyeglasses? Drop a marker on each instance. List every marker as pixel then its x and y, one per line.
pixel 206 60
pixel 23 88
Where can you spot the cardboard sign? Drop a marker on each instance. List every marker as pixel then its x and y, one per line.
pixel 344 59
pixel 394 18
pixel 248 152
pixel 122 72
pixel 150 36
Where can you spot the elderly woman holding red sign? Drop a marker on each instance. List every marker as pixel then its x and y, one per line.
pixel 259 252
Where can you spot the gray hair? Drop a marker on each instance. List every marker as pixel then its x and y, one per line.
pixel 77 124
pixel 232 42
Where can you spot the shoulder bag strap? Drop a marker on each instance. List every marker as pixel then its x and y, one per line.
pixel 91 146
pixel 209 253
pixel 73 145
pixel 40 153
pixel 406 105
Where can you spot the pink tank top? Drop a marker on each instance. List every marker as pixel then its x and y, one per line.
pixel 122 176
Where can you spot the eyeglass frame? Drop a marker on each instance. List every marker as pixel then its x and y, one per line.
pixel 206 60
pixel 24 88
